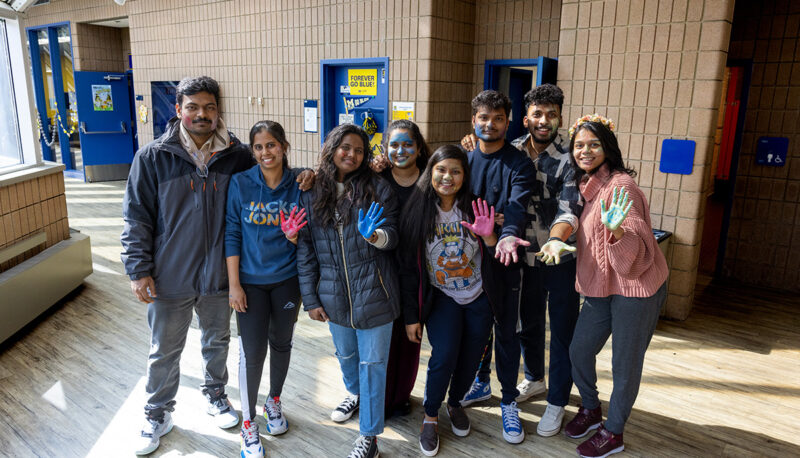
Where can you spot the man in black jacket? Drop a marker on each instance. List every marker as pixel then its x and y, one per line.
pixel 173 250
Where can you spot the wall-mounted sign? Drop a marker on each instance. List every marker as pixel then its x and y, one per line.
pixel 772 151
pixel 101 97
pixel 345 118
pixel 310 115
pixel 363 81
pixel 677 156
pixel 403 110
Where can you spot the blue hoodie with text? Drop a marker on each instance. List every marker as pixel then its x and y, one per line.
pixel 253 226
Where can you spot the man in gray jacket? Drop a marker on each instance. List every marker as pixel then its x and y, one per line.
pixel 173 250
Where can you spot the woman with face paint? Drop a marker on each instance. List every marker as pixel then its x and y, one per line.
pixel 407 155
pixel 262 222
pixel 348 275
pixel 622 274
pixel 449 282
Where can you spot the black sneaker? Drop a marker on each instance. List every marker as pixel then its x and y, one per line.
pixel 365 447
pixel 345 409
pixel 459 420
pixel 429 438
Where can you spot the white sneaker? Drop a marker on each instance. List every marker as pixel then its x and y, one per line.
pixel 221 409
pixel 550 424
pixel 273 413
pixel 345 409
pixel 251 441
pixel 528 388
pixel 148 441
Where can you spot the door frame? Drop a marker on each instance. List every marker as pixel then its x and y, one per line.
pixel 747 65
pixel 58 86
pixel 327 67
pixel 546 69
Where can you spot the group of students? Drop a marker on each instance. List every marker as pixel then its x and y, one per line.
pixel 471 244
pixel 385 248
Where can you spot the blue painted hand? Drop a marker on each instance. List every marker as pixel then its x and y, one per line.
pixel 367 224
pixel 615 214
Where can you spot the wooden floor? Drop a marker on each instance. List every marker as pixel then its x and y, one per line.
pixel 726 382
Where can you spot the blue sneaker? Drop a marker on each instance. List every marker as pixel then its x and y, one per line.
pixel 480 391
pixel 512 428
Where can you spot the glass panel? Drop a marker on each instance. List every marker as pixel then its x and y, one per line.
pixel 70 124
pixel 10 151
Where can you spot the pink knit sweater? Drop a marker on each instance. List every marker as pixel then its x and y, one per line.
pixel 632 266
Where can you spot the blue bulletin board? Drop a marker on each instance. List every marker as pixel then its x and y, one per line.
pixel 771 151
pixel 677 156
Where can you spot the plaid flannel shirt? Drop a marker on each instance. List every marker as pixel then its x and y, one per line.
pixel 555 197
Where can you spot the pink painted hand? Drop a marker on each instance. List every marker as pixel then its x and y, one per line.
pixel 506 250
pixel 484 220
pixel 292 225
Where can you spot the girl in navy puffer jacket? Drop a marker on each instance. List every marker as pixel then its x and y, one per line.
pixel 348 276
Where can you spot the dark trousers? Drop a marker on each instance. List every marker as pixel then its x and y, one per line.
pixel 457 334
pixel 268 322
pixel 549 288
pixel 401 370
pixel 506 338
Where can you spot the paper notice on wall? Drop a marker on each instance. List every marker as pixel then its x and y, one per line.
pixel 402 110
pixel 363 81
pixel 310 115
pixel 346 118
pixel 101 97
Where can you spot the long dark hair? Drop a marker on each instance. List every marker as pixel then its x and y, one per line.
pixel 419 140
pixel 276 130
pixel 610 149
pixel 358 187
pixel 418 219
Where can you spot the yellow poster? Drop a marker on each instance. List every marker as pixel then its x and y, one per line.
pixel 376 144
pixel 363 81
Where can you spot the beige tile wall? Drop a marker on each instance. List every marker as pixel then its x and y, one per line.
pixel 30 207
pixel 655 67
pixel 764 237
pixel 97 48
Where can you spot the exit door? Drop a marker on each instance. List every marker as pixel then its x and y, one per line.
pixel 356 91
pixel 105 124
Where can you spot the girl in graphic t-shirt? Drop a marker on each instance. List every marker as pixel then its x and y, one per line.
pixel 448 284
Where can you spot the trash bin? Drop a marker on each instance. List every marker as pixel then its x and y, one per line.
pixel 664 239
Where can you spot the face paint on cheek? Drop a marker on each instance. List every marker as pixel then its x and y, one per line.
pixel 186 120
pixel 393 154
pixel 479 133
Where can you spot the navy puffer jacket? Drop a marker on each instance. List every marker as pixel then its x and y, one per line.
pixel 354 282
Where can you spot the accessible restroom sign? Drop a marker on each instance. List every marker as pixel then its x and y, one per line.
pixel 363 81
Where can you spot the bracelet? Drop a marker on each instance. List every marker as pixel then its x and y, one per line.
pixel 555 238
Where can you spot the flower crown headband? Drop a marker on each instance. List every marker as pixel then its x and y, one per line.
pixel 594 117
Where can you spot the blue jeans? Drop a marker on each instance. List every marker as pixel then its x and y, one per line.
pixel 549 288
pixel 363 354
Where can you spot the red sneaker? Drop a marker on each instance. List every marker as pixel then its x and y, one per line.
pixel 602 444
pixel 585 420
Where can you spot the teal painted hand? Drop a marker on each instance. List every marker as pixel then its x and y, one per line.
pixel 367 224
pixel 618 211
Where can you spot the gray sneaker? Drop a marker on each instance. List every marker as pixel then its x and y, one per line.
pixel 459 420
pixel 152 431
pixel 429 438
pixel 223 412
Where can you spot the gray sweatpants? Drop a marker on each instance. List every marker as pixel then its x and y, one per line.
pixel 632 321
pixel 169 321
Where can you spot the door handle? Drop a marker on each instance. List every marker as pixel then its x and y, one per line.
pixel 124 130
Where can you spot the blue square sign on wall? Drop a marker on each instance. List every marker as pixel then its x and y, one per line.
pixel 772 151
pixel 677 156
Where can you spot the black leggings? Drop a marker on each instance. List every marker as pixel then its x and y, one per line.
pixel 269 320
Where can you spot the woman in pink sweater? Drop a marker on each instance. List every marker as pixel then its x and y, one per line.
pixel 622 274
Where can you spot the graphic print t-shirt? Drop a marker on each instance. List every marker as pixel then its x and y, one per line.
pixel 454 258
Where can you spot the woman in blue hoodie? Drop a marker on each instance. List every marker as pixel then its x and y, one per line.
pixel 262 274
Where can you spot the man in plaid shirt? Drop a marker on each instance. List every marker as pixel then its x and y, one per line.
pixel 549 277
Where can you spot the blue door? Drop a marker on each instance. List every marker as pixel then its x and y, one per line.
pixel 106 128
pixel 356 91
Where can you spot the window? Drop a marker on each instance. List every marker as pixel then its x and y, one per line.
pixel 10 150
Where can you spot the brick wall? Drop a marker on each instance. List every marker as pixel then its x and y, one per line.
pixel 656 68
pixel 764 236
pixel 97 48
pixel 30 207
